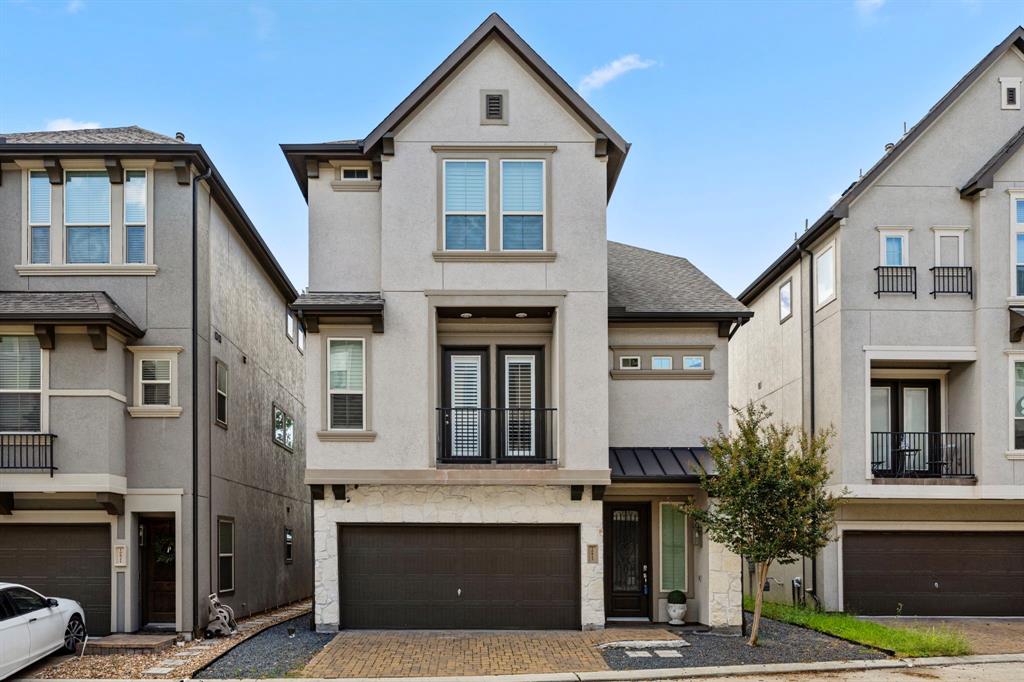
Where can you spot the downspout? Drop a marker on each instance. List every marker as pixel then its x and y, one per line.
pixel 195 399
pixel 810 350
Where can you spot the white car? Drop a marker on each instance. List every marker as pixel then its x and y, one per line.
pixel 33 626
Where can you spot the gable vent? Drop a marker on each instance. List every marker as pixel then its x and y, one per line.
pixel 495 105
pixel 1011 96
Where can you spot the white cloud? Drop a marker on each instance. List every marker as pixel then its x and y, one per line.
pixel 602 76
pixel 70 124
pixel 75 6
pixel 868 7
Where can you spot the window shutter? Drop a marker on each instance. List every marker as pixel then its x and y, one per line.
pixel 495 105
pixel 673 548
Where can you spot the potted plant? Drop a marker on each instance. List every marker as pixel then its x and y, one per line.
pixel 676 607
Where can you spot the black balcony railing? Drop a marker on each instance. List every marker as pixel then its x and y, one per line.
pixel 952 279
pixel 896 279
pixel 27 452
pixel 901 454
pixel 505 435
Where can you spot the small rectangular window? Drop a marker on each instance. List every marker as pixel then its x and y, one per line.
pixel 465 205
pixel 346 384
pixel 135 216
pixel 661 362
pixel 355 173
pixel 39 217
pixel 289 324
pixel 1019 246
pixel 288 546
pixel 87 216
pixel 629 362
pixel 20 384
pixel 673 547
pixel 786 301
pixel 225 555
pixel 522 205
pixel 693 362
pixel 156 382
pixel 825 275
pixel 300 340
pixel 284 428
pixel 1018 405
pixel 221 413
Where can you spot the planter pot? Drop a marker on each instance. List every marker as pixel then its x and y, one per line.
pixel 676 613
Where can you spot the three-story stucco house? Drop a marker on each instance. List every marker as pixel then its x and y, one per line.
pixel 896 320
pixel 151 406
pixel 504 410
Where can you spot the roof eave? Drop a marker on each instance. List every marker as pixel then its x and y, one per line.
pixel 298 154
pixel 620 315
pixel 115 322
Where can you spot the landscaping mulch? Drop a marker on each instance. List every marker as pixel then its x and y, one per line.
pixel 779 643
pixel 271 653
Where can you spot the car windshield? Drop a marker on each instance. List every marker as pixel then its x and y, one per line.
pixel 25 601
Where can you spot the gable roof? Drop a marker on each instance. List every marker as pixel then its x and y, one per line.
pixel 139 143
pixel 841 208
pixel 494 25
pixel 985 177
pixel 645 284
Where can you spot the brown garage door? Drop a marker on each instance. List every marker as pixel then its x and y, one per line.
pixel 453 577
pixel 934 574
pixel 61 561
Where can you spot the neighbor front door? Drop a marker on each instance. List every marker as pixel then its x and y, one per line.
pixel 157 548
pixel 627 560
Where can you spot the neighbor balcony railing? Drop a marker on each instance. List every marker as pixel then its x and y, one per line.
pixel 952 279
pixel 896 279
pixel 467 435
pixel 27 452
pixel 922 454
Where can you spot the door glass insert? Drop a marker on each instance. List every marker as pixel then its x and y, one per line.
pixel 520 421
pixel 881 424
pixel 626 550
pixel 915 424
pixel 466 401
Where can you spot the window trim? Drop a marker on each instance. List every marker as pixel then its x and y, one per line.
pixel 903 234
pixel 444 205
pixel 218 365
pixel 1013 358
pixel 146 226
pixel 820 302
pixel 671 364
pixel 329 391
pixel 1005 83
pixel 622 364
pixel 661 547
pixel 274 408
pixel 787 284
pixel 703 363
pixel 366 169
pixel 957 231
pixel 289 324
pixel 543 212
pixel 1016 229
pixel 140 353
pixel 300 338
pixel 229 521
pixel 110 218
pixel 44 387
pixel 28 215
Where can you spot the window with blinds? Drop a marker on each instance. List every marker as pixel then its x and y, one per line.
pixel 673 547
pixel 87 216
pixel 522 205
pixel 346 384
pixel 20 384
pixel 135 216
pixel 465 205
pixel 155 378
pixel 466 401
pixel 39 216
pixel 520 393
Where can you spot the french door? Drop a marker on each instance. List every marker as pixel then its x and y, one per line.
pixel 465 399
pixel 905 416
pixel 521 397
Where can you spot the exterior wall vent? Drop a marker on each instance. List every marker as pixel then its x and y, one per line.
pixel 1009 92
pixel 494 107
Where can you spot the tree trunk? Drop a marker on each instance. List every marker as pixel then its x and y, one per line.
pixel 762 577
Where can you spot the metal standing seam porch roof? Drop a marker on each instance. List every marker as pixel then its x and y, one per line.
pixel 659 465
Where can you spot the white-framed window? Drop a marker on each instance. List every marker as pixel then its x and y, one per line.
pixel 21 389
pixel 893 246
pixel 693 362
pixel 300 339
pixel 225 555
pixel 1017 227
pixel 786 300
pixel 629 362
pixel 465 205
pixel 825 275
pixel 289 324
pixel 86 216
pixel 355 173
pixel 661 362
pixel 135 215
pixel 221 401
pixel 949 246
pixel 284 428
pixel 346 384
pixel 674 547
pixel 522 205
pixel 1009 89
pixel 289 541
pixel 39 216
pixel 1016 435
pixel 155 392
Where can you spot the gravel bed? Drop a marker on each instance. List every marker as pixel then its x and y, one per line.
pixel 779 643
pixel 271 653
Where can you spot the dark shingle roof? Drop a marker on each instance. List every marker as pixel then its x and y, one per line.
pixel 659 465
pixel 124 135
pixel 642 281
pixel 338 299
pixel 66 306
pixel 985 176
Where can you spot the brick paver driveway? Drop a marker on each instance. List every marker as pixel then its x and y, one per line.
pixel 374 653
pixel 986 635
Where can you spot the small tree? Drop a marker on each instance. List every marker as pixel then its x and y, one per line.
pixel 769 503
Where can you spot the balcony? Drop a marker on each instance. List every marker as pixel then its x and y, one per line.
pixel 949 279
pixel 489 435
pixel 902 454
pixel 27 452
pixel 896 279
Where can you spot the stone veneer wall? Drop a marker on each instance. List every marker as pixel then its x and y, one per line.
pixel 724 591
pixel 455 504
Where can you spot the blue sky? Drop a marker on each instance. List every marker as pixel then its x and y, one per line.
pixel 745 118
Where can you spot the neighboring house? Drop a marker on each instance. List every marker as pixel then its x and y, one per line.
pixel 103 444
pixel 475 348
pixel 896 320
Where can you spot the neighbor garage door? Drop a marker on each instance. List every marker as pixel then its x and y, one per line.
pixel 467 576
pixel 934 574
pixel 61 561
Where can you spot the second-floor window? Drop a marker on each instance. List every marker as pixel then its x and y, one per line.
pixel 346 384
pixel 135 216
pixel 786 300
pixel 825 275
pixel 156 381
pixel 221 408
pixel 893 248
pixel 284 429
pixel 522 205
pixel 20 384
pixel 465 205
pixel 39 217
pixel 87 217
pixel 1018 222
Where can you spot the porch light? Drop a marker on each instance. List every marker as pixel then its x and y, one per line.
pixel 520 315
pixel 465 316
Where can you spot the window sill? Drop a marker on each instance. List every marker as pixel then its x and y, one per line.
pixel 701 374
pixel 1015 455
pixel 346 436
pixel 142 270
pixel 154 411
pixel 495 256
pixel 355 185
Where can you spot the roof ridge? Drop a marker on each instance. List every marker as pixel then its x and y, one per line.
pixel 659 253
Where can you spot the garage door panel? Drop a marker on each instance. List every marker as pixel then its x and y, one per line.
pixel 934 573
pixel 510 576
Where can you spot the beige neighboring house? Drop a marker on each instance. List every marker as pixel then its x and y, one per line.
pixel 151 406
pixel 897 319
pixel 505 410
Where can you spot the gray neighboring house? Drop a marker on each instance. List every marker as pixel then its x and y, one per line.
pixel 505 410
pixel 117 488
pixel 897 320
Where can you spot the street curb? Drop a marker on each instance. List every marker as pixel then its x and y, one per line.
pixel 669 673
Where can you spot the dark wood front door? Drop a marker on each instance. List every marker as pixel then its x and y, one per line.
pixel 627 560
pixel 157 549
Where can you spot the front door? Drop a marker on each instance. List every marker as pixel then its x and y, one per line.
pixel 905 419
pixel 627 560
pixel 157 549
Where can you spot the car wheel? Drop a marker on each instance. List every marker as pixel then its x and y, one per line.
pixel 74 634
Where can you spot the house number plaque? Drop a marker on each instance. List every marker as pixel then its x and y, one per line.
pixel 591 554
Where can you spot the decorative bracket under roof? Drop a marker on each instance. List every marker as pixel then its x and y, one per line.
pixel 183 169
pixel 54 170
pixel 388 144
pixel 1016 324
pixel 114 170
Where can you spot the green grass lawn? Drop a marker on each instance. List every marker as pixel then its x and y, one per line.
pixel 905 641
